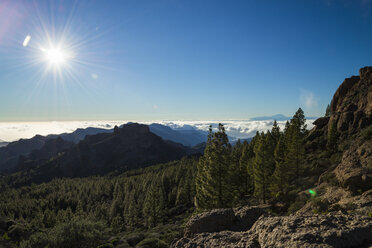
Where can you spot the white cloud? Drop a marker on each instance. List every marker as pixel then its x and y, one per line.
pixel 236 128
pixel 308 99
pixel 10 131
pixel 155 106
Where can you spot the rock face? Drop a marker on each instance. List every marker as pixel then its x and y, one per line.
pixel 336 230
pixel 351 111
pixel 239 219
pixel 351 105
pixel 355 170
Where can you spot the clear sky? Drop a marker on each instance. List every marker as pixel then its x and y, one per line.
pixel 167 60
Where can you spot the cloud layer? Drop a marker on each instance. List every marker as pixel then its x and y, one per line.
pixel 10 131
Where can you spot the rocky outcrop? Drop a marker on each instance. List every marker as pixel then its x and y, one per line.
pixel 355 170
pixel 351 105
pixel 336 230
pixel 238 219
pixel 321 122
pixel 351 111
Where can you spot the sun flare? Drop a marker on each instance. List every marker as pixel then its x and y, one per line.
pixel 55 56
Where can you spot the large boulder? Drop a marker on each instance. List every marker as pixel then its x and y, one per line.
pixel 238 219
pixel 333 230
pixel 355 170
pixel 213 221
pixel 321 122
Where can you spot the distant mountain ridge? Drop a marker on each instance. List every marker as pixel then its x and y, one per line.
pixel 129 147
pixel 3 143
pixel 11 152
pixel 80 134
pixel 27 152
pixel 189 137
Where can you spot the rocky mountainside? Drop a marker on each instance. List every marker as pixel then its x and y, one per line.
pixel 9 154
pixel 18 154
pixel 13 153
pixel 351 113
pixel 251 227
pixel 337 214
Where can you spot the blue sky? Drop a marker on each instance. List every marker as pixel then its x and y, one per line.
pixel 169 60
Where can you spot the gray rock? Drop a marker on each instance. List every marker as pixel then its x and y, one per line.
pixel 238 219
pixel 321 122
pixel 213 221
pixel 333 230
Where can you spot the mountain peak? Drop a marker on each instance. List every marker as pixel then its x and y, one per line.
pixel 351 106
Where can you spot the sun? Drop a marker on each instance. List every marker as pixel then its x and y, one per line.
pixel 55 56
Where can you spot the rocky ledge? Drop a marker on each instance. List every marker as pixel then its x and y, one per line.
pixel 332 230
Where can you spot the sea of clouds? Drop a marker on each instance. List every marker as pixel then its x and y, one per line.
pixel 11 131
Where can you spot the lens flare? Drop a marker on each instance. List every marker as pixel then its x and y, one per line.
pixel 26 41
pixel 312 192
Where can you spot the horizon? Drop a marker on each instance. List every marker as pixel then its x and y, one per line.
pixel 239 129
pixel 93 60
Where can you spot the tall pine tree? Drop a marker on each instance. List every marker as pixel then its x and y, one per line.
pixel 294 136
pixel 213 184
pixel 264 165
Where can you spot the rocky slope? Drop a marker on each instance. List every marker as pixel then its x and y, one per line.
pixel 11 153
pixel 342 180
pixel 332 230
pixel 346 179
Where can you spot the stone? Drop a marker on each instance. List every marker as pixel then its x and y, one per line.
pixel 238 219
pixel 321 122
pixel 333 230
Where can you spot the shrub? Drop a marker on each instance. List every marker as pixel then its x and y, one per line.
pixel 6 237
pixel 320 206
pixel 107 245
pixel 296 205
pixel 38 239
pixel 73 234
pixel 152 243
pixel 135 238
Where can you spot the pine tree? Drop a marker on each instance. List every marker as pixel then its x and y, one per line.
pixel 328 111
pixel 264 165
pixel 237 172
pixel 299 121
pixel 294 137
pixel 213 188
pixel 275 132
pixel 246 163
pixel 153 205
pixel 280 180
